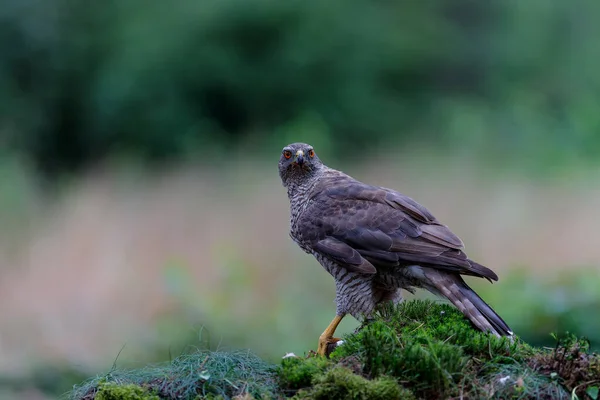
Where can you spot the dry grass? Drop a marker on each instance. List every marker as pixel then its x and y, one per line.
pixel 99 266
pixel 190 376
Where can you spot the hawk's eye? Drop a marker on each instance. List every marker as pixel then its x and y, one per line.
pixel 311 153
pixel 287 154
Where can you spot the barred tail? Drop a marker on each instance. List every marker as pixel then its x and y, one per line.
pixel 455 289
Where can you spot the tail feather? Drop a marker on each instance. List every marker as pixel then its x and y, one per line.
pixel 455 289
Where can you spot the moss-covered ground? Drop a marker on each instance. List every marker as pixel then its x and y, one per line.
pixel 417 350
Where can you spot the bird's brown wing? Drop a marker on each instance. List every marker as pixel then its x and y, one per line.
pixel 365 228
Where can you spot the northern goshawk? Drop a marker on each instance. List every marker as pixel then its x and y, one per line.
pixel 375 241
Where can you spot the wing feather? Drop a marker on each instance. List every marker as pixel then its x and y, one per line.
pixel 364 227
pixel 345 255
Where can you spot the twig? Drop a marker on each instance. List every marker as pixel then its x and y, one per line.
pixel 422 323
pixel 114 366
pixel 203 363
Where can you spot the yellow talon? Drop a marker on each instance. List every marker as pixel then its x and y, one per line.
pixel 327 336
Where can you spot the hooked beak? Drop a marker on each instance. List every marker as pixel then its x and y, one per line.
pixel 300 157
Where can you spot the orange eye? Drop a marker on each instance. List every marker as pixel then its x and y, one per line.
pixel 287 154
pixel 311 153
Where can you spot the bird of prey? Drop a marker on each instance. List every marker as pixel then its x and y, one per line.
pixel 375 241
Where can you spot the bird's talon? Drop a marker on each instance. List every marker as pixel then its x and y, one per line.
pixel 327 345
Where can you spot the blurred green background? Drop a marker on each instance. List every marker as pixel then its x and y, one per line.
pixel 140 204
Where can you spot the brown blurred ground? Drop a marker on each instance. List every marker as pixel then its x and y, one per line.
pixel 94 268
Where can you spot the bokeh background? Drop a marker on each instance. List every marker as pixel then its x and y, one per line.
pixel 140 206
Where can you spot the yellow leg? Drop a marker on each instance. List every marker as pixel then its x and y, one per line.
pixel 327 336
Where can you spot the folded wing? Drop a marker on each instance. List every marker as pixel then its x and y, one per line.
pixel 365 228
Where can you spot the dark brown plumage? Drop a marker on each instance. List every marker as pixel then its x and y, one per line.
pixel 375 241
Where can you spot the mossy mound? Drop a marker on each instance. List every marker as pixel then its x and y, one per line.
pixel 417 350
pixel 432 352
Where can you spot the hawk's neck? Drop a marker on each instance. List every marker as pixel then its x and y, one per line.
pixel 300 192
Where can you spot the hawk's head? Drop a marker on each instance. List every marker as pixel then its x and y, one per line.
pixel 297 163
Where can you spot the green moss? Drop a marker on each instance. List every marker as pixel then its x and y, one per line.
pixel 434 350
pixel 417 350
pixel 424 321
pixel 340 383
pixel 113 391
pixel 420 361
pixel 297 373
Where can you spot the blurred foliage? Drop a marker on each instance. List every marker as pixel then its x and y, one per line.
pixel 51 380
pixel 540 305
pixel 83 81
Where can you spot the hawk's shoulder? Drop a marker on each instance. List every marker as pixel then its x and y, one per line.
pixel 339 186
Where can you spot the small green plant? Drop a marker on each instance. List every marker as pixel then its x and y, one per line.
pixel 572 364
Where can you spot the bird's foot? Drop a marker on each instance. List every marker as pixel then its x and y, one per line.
pixel 327 345
pixel 327 342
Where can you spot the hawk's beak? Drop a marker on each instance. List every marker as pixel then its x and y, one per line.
pixel 300 157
